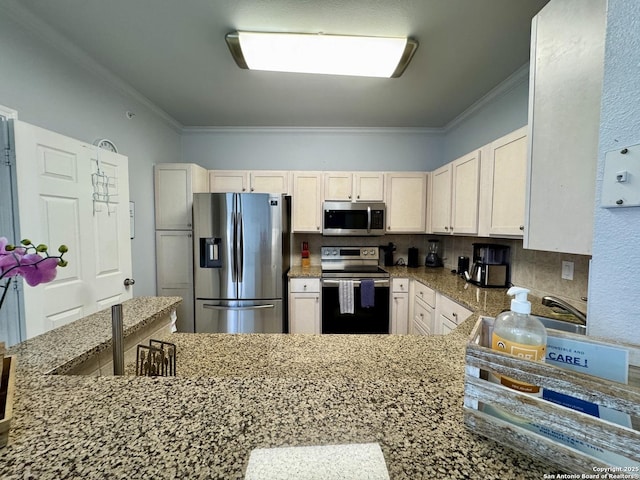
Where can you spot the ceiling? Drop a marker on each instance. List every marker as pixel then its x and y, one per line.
pixel 174 53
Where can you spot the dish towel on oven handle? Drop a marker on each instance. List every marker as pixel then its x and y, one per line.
pixel 345 296
pixel 367 293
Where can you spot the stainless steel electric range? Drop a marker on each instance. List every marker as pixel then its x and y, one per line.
pixel 343 269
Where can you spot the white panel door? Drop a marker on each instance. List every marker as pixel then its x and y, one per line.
pixel 56 206
pixel 111 230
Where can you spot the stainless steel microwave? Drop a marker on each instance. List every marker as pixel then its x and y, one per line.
pixel 353 218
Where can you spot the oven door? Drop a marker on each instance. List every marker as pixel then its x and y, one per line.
pixel 364 320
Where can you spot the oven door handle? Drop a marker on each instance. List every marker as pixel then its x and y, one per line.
pixel 356 283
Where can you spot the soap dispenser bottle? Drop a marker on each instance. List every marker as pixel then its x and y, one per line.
pixel 518 333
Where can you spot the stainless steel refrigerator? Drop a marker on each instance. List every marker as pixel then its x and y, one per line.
pixel 241 254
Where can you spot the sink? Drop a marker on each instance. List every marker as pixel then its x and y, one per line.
pixel 561 325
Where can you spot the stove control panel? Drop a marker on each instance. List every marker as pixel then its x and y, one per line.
pixel 347 253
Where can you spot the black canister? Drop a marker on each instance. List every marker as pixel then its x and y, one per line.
pixel 463 265
pixel 413 258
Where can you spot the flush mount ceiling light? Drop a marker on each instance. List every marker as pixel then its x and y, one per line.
pixel 318 53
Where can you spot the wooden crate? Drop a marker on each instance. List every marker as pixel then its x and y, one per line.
pixel 551 417
pixel 7 386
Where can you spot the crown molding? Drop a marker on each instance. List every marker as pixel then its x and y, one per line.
pixel 316 130
pixel 7 112
pixel 504 87
pixel 45 32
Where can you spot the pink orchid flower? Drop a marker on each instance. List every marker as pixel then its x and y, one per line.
pixel 9 260
pixel 35 270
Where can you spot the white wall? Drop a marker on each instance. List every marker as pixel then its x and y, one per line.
pixel 313 148
pixel 614 286
pixel 52 86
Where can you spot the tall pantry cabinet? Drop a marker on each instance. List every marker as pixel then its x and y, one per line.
pixel 175 184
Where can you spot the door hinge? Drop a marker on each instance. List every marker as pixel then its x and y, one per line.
pixel 9 156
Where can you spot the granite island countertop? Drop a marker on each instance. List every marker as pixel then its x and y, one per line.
pixel 234 393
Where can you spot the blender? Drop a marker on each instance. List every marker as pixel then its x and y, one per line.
pixel 433 258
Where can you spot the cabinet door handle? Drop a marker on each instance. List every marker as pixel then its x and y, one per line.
pixel 522 228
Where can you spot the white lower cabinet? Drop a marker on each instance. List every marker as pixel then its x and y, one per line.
pixel 304 305
pixel 399 305
pixel 424 302
pixel 449 315
pixel 174 273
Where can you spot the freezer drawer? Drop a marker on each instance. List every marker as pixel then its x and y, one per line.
pixel 245 316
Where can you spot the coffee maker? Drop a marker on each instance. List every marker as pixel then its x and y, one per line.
pixel 490 265
pixel 433 258
pixel 388 254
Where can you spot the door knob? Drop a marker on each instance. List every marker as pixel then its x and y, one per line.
pixel 128 282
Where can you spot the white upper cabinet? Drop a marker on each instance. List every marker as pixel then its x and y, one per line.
pixel 269 182
pixel 503 186
pixel 440 204
pixel 221 181
pixel 406 194
pixel 354 187
pixel 455 193
pixel 567 64
pixel 307 202
pixel 338 186
pixel 368 186
pixel 175 184
pixel 243 181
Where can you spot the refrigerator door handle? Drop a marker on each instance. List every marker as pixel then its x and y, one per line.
pixel 240 247
pixel 252 307
pixel 234 253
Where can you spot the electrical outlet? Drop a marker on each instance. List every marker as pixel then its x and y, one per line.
pixel 567 270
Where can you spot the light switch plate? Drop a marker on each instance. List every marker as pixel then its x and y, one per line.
pixel 621 180
pixel 567 270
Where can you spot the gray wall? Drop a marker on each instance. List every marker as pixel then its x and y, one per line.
pixel 53 89
pixel 614 287
pixel 313 148
pixel 501 111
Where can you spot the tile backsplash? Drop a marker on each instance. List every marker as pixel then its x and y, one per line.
pixel 540 272
pixel 536 270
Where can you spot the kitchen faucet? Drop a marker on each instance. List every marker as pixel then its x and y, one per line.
pixel 550 301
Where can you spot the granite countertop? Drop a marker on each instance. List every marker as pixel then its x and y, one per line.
pixel 481 301
pixel 234 393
